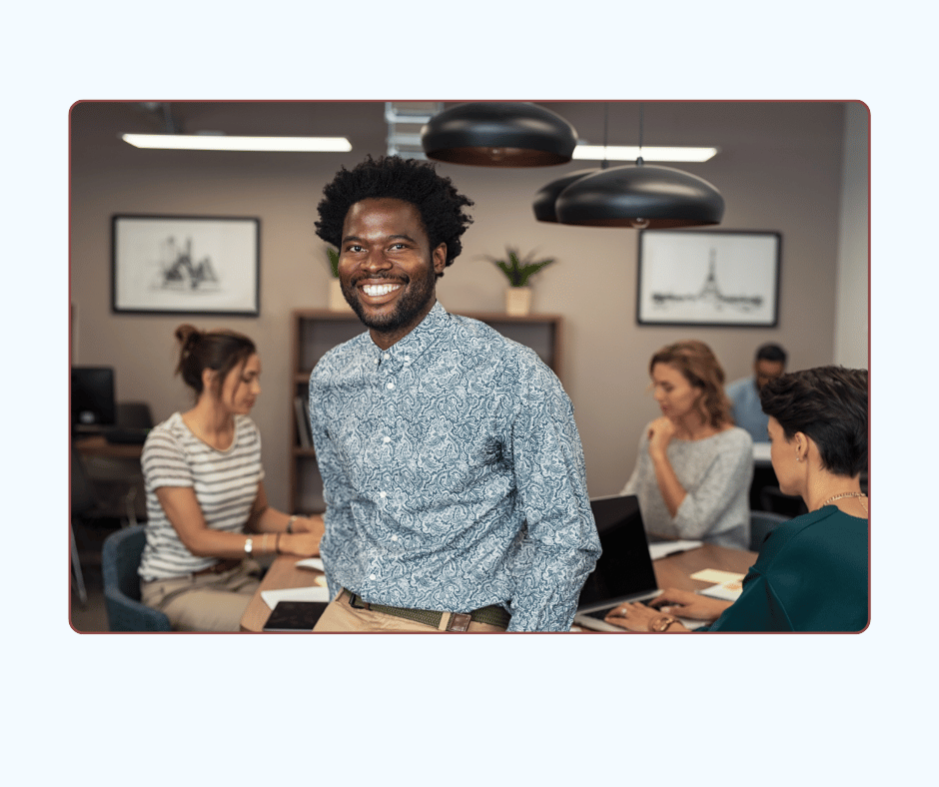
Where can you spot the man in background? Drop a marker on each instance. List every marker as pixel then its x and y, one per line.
pixel 744 394
pixel 453 473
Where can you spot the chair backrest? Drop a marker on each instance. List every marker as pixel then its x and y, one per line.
pixel 133 415
pixel 120 558
pixel 762 523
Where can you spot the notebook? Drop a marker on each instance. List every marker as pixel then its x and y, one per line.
pixel 624 571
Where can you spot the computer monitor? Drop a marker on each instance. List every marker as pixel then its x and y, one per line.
pixel 92 397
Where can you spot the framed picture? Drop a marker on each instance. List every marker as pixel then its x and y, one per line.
pixel 708 277
pixel 185 264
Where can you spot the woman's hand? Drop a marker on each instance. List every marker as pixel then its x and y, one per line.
pixel 309 524
pixel 661 432
pixel 689 605
pixel 300 544
pixel 637 617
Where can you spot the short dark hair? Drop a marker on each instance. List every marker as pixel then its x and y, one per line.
pixel 829 404
pixel 221 351
pixel 699 366
pixel 392 177
pixel 771 352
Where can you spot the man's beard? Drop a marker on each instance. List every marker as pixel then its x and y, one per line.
pixel 407 308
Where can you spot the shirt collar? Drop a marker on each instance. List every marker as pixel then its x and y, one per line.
pixel 423 336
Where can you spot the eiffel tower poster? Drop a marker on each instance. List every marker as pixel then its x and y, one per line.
pixel 708 277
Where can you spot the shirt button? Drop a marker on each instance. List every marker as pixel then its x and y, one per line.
pixel 383 495
pixel 385 356
pixel 386 439
pixel 394 538
pixel 371 576
pixel 391 386
pixel 377 360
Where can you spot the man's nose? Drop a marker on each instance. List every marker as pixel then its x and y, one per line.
pixel 377 260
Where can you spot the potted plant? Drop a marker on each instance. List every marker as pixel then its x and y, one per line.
pixel 519 270
pixel 337 301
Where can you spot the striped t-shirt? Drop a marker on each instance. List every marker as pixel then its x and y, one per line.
pixel 225 483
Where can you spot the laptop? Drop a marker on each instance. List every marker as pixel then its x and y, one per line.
pixel 624 571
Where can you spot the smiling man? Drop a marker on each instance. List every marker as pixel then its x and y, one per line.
pixel 452 469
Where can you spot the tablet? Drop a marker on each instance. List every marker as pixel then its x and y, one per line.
pixel 295 615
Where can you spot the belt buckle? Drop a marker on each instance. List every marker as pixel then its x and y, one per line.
pixel 459 621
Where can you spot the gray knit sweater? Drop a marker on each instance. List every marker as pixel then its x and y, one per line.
pixel 716 473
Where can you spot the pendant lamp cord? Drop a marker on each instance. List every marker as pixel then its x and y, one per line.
pixel 639 161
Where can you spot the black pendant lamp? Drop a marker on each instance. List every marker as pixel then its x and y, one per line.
pixel 547 196
pixel 499 134
pixel 640 196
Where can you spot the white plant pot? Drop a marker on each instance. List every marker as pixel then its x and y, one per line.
pixel 337 301
pixel 518 301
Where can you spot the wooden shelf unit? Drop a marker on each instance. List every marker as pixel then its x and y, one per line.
pixel 317 331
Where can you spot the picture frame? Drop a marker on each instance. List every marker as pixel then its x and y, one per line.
pixel 185 265
pixel 711 278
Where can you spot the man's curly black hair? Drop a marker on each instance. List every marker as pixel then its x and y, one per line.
pixel 438 202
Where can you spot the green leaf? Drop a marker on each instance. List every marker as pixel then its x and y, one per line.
pixel 333 257
pixel 518 270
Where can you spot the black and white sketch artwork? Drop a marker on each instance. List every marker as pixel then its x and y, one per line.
pixel 180 264
pixel 708 277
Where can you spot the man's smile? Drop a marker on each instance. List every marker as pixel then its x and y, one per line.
pixel 377 290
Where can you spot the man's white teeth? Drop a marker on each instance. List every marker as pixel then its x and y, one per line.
pixel 377 290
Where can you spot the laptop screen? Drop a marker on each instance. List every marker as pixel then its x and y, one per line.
pixel 624 568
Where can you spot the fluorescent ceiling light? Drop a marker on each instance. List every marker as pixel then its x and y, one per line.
pixel 648 153
pixel 224 142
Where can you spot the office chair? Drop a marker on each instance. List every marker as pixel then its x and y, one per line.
pixel 133 415
pixel 84 505
pixel 120 558
pixel 762 523
pixel 774 501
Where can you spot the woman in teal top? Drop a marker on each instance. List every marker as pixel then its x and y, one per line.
pixel 812 572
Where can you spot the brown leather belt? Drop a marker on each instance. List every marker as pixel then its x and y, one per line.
pixel 218 568
pixel 494 615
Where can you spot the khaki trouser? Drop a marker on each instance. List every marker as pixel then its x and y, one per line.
pixel 340 616
pixel 204 602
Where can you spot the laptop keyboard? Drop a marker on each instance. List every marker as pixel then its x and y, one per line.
pixel 600 614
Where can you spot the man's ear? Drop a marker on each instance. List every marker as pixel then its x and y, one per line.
pixel 439 257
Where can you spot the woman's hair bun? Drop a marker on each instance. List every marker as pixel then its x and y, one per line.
pixel 187 335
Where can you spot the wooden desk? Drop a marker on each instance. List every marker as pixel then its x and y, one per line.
pixel 676 571
pixel 96 445
pixel 670 572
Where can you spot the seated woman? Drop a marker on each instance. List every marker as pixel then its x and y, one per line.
pixel 207 512
pixel 812 572
pixel 694 467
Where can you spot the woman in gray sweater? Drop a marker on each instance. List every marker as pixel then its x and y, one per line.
pixel 694 467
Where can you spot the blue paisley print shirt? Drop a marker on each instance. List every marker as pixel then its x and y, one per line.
pixel 453 475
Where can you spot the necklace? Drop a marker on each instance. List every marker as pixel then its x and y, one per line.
pixel 843 495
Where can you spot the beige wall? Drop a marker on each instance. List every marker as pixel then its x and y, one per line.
pixel 780 168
